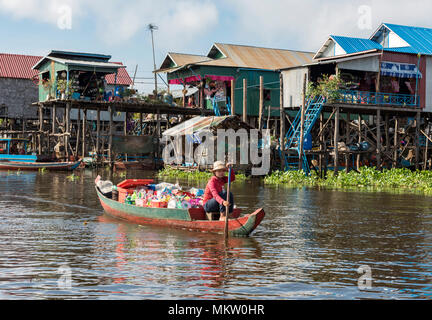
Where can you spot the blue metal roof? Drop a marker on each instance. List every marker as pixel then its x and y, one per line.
pixel 420 39
pixel 352 45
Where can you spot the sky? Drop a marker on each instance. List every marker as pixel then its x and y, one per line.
pixel 119 28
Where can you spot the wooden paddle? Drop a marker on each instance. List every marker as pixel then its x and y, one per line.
pixel 227 207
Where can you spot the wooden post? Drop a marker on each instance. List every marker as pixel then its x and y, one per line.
pixel 336 141
pixel 67 128
pixel 141 123
pixel 233 97
pixel 125 130
pixel 40 130
pixel 110 141
pixel 395 143
pixel 158 132
pixel 359 139
pixel 97 133
pixel 54 117
pixel 378 150
pixel 321 140
pixel 261 100
pixel 84 125
pixel 244 100
pixel 417 142
pixel 282 117
pixel 386 117
pixel 426 155
pixel 78 131
pixel 303 110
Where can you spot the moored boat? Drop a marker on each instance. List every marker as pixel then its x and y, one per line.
pixel 192 218
pixel 14 156
pixel 34 166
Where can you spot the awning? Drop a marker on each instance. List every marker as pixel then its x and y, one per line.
pixel 400 70
pixel 197 78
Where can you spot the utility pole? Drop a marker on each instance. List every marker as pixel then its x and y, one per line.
pixel 152 27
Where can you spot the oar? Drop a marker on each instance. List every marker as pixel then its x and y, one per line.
pixel 227 207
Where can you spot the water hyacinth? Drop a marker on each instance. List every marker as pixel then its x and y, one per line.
pixel 194 175
pixel 366 178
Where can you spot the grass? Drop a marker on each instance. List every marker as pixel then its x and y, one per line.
pixel 367 178
pixel 193 175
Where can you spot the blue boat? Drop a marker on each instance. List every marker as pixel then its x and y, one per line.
pixel 14 156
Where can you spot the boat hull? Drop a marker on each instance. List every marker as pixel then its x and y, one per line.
pixel 34 166
pixel 179 218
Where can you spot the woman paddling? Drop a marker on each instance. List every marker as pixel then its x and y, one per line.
pixel 215 195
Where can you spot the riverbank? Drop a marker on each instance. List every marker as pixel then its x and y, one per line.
pixel 366 179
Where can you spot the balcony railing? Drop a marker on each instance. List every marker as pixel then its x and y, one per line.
pixel 379 98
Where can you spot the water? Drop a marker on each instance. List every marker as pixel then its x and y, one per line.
pixel 56 243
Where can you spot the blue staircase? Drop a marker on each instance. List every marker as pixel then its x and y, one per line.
pixel 313 110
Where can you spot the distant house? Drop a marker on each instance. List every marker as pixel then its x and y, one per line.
pixel 19 85
pixel 213 73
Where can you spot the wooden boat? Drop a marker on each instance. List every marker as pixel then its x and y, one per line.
pixel 192 219
pixel 34 166
pixel 14 156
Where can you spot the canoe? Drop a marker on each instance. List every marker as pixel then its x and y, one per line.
pixel 34 166
pixel 192 219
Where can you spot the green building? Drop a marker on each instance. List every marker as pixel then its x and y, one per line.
pixel 75 75
pixel 212 75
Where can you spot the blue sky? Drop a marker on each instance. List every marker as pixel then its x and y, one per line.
pixel 118 28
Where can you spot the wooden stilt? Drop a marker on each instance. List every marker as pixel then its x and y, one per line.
pixel 282 118
pixel 395 143
pixel 336 141
pixel 111 131
pixel 84 125
pixel 233 97
pixel 303 110
pixel 417 142
pixel 97 133
pixel 261 101
pixel 244 100
pixel 378 137
pixel 67 128
pixel 359 139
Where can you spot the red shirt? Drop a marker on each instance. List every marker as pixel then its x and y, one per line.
pixel 215 186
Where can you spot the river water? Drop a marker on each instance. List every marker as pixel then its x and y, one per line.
pixel 57 243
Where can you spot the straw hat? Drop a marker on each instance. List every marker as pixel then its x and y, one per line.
pixel 219 165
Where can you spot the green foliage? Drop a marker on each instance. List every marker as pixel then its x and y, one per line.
pixel 327 86
pixel 367 178
pixel 193 175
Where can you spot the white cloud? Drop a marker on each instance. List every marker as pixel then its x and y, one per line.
pixel 305 25
pixel 118 21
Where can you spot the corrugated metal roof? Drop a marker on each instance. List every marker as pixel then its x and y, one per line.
pixel 259 58
pixel 420 39
pixel 19 66
pixel 242 56
pixel 351 45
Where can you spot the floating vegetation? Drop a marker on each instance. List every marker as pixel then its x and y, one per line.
pixel 194 175
pixel 366 178
pixel 72 177
pixel 42 170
